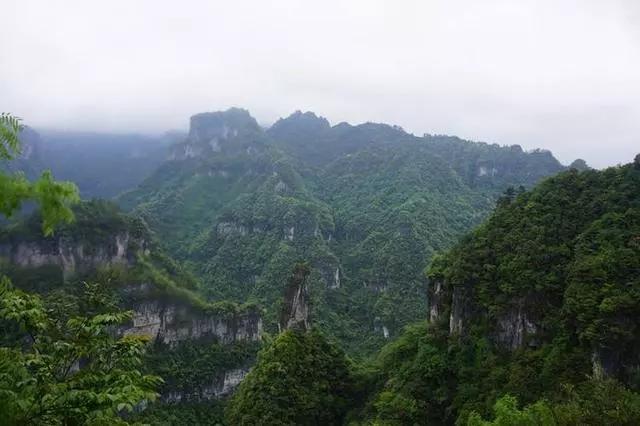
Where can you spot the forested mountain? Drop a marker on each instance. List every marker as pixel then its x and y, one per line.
pixel 201 350
pixel 366 206
pixel 541 301
pixel 532 320
pixel 317 274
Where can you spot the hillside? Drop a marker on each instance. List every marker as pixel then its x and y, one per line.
pixel 202 350
pixel 541 301
pixel 366 205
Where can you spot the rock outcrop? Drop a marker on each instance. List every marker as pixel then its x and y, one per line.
pixel 214 132
pixel 295 310
pixel 220 386
pixel 514 328
pixel 71 255
pixel 170 321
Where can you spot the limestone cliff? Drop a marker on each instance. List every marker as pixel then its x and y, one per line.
pixel 150 285
pixel 512 328
pixel 215 132
pixel 171 321
pixel 295 310
pixel 219 386
pixel 70 254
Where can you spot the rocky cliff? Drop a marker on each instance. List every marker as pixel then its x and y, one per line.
pixel 148 283
pixel 557 264
pixel 171 321
pixel 71 255
pixel 233 130
pixel 219 386
pixel 295 309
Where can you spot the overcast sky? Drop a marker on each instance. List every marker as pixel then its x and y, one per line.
pixel 556 74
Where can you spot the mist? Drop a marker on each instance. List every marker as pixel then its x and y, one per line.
pixel 560 75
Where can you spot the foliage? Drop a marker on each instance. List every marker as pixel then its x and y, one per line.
pixel 9 142
pixel 594 402
pixel 184 414
pixel 370 203
pixel 68 370
pixel 541 296
pixel 300 379
pixel 53 198
pixel 507 414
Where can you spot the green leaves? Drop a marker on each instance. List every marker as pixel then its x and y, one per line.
pixel 72 371
pixel 9 129
pixel 300 379
pixel 53 198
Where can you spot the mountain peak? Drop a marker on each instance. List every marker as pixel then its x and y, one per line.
pixel 579 164
pixel 221 125
pixel 298 122
pixel 211 132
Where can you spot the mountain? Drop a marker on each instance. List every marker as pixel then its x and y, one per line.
pixel 102 164
pixel 202 350
pixel 367 206
pixel 540 302
pixel 393 311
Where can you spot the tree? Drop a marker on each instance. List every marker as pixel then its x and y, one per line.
pixel 507 414
pixel 57 370
pixel 56 366
pixel 300 379
pixel 52 197
pixel 9 129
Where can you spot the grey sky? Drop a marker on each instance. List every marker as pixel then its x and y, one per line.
pixel 556 74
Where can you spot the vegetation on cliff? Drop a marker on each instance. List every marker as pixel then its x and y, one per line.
pixel 541 303
pixel 299 379
pixel 367 206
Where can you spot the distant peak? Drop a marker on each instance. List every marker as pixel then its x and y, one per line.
pixel 221 125
pixel 579 164
pixel 305 120
pixel 233 117
pixel 211 132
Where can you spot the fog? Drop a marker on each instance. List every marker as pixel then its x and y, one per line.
pixel 555 74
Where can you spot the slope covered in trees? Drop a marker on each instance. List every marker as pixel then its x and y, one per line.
pixel 532 318
pixel 365 205
pixel 540 303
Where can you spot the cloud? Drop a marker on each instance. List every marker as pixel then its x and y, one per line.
pixel 555 74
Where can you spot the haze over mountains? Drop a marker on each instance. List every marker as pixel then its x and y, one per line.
pixel 366 205
pixel 287 272
pixel 532 72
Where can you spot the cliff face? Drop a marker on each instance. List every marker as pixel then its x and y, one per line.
pixel 215 132
pixel 150 285
pixel 169 321
pixel 71 255
pixel 295 310
pixel 220 386
pixel 556 264
pixel 512 328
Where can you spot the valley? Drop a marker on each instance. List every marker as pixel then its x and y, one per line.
pixel 346 274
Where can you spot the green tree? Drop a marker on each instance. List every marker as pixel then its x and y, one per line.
pixel 56 370
pixel 300 379
pixel 58 367
pixel 52 197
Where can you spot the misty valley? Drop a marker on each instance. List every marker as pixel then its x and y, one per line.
pixel 313 274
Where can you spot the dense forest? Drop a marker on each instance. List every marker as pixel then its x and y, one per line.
pixel 314 274
pixel 367 206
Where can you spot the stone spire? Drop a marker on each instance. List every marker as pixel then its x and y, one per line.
pixel 295 311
